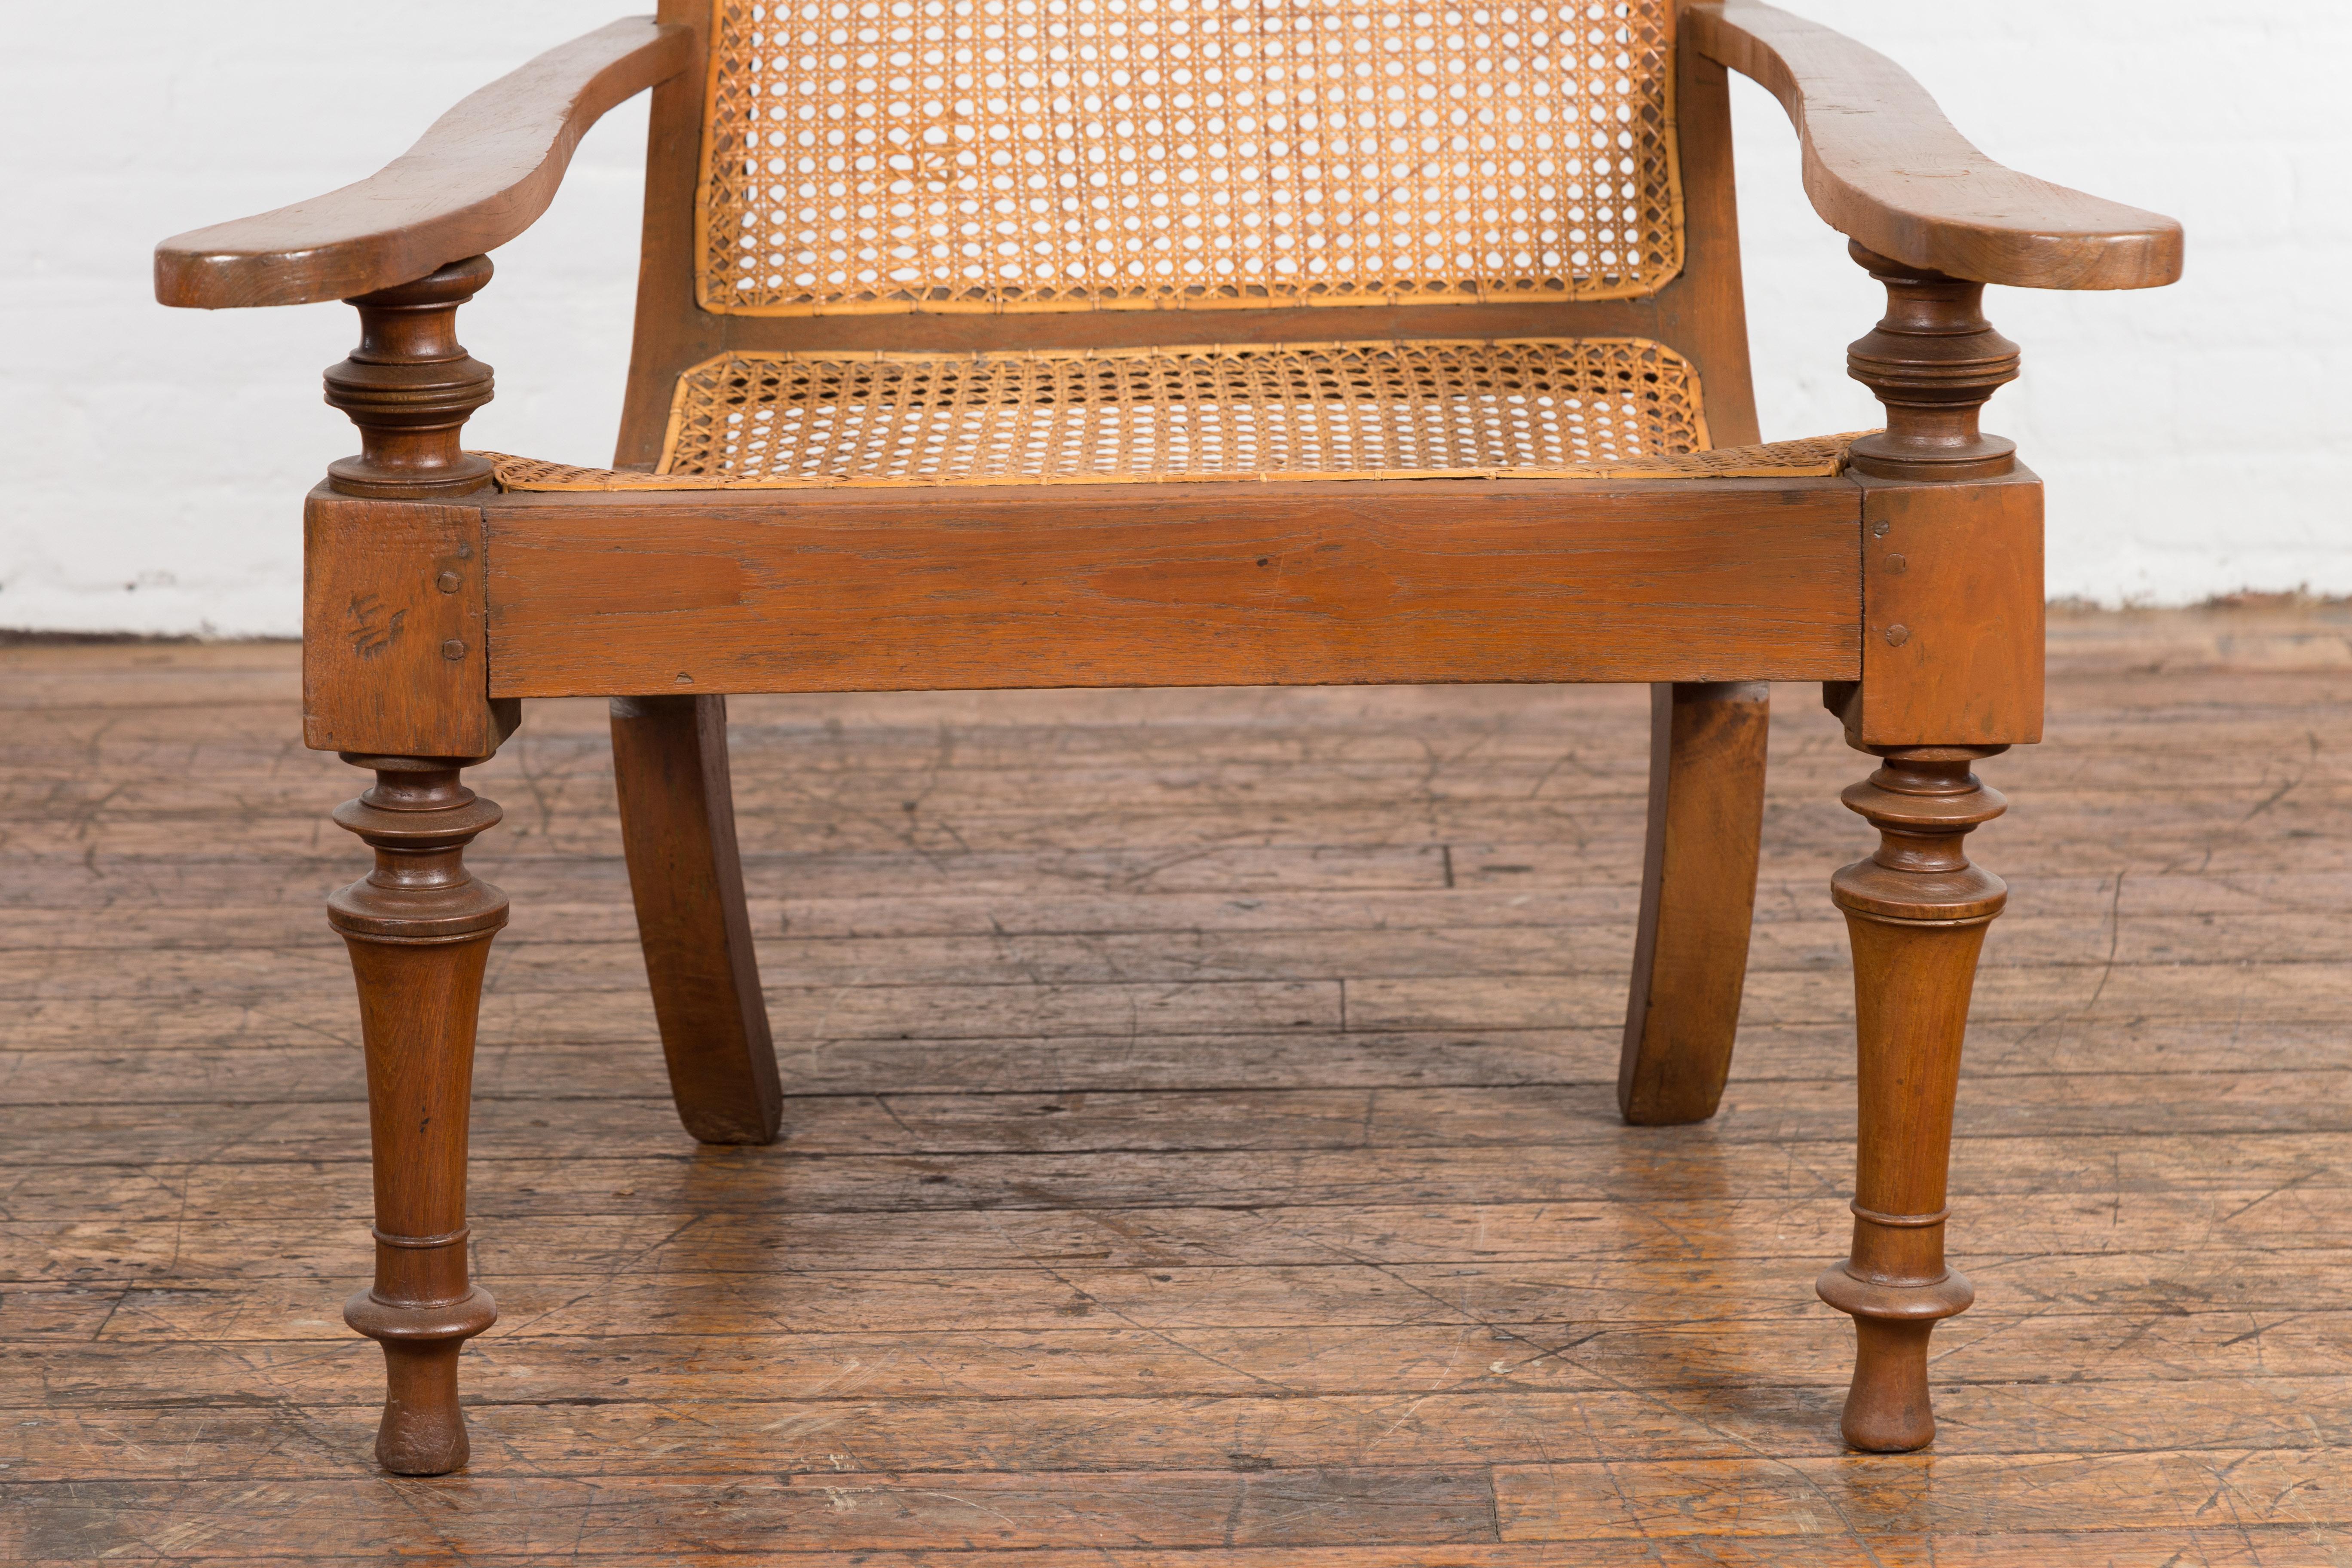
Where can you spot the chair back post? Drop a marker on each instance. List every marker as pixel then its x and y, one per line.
pixel 1934 361
pixel 410 386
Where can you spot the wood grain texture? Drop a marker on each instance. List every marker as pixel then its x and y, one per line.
pixel 396 663
pixel 685 879
pixel 1698 899
pixel 1883 167
pixel 419 928
pixel 672 331
pixel 1932 361
pixel 1203 1119
pixel 480 176
pixel 1203 585
pixel 1952 614
pixel 1916 912
pixel 410 386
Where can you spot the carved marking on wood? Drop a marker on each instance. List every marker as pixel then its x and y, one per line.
pixel 372 631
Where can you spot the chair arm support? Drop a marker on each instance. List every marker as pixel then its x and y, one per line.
pixel 480 176
pixel 1885 167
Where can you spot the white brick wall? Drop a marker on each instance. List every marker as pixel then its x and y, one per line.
pixel 2193 437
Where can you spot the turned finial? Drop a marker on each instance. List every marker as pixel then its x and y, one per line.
pixel 1934 361
pixel 1924 802
pixel 409 386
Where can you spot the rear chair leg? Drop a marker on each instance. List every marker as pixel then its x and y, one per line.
pixel 1698 895
pixel 419 929
pixel 677 826
pixel 1917 912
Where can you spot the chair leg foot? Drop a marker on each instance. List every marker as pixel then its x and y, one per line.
pixel 419 929
pixel 1887 1406
pixel 1887 1409
pixel 1915 913
pixel 1698 897
pixel 423 1432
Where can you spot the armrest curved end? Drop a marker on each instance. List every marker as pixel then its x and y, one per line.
pixel 2131 249
pixel 2150 255
pixel 1883 166
pixel 479 177
pixel 192 274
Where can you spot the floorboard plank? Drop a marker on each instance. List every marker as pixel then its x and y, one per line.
pixel 1200 1147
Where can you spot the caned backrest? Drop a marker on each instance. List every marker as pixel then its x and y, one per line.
pixel 984 176
pixel 1013 155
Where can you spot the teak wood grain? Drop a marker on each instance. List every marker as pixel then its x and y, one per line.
pixel 396 661
pixel 1952 613
pixel 671 784
pixel 1883 166
pixel 1916 914
pixel 1205 585
pixel 419 929
pixel 480 176
pixel 1698 898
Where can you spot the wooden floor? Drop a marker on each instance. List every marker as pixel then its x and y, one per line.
pixel 1202 1148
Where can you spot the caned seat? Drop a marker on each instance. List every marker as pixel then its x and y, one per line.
pixel 1563 408
pixel 1028 344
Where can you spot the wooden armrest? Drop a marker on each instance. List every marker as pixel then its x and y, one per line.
pixel 481 175
pixel 1883 166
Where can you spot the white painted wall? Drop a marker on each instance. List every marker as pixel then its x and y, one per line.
pixel 153 459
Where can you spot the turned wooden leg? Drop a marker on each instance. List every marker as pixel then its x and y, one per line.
pixel 419 929
pixel 1917 912
pixel 678 825
pixel 1698 895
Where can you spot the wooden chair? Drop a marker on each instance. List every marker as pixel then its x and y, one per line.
pixel 1179 343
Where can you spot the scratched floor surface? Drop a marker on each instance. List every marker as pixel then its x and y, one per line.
pixel 1201 1148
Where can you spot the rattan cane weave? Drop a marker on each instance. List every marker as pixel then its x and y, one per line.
pixel 872 155
pixel 1599 407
